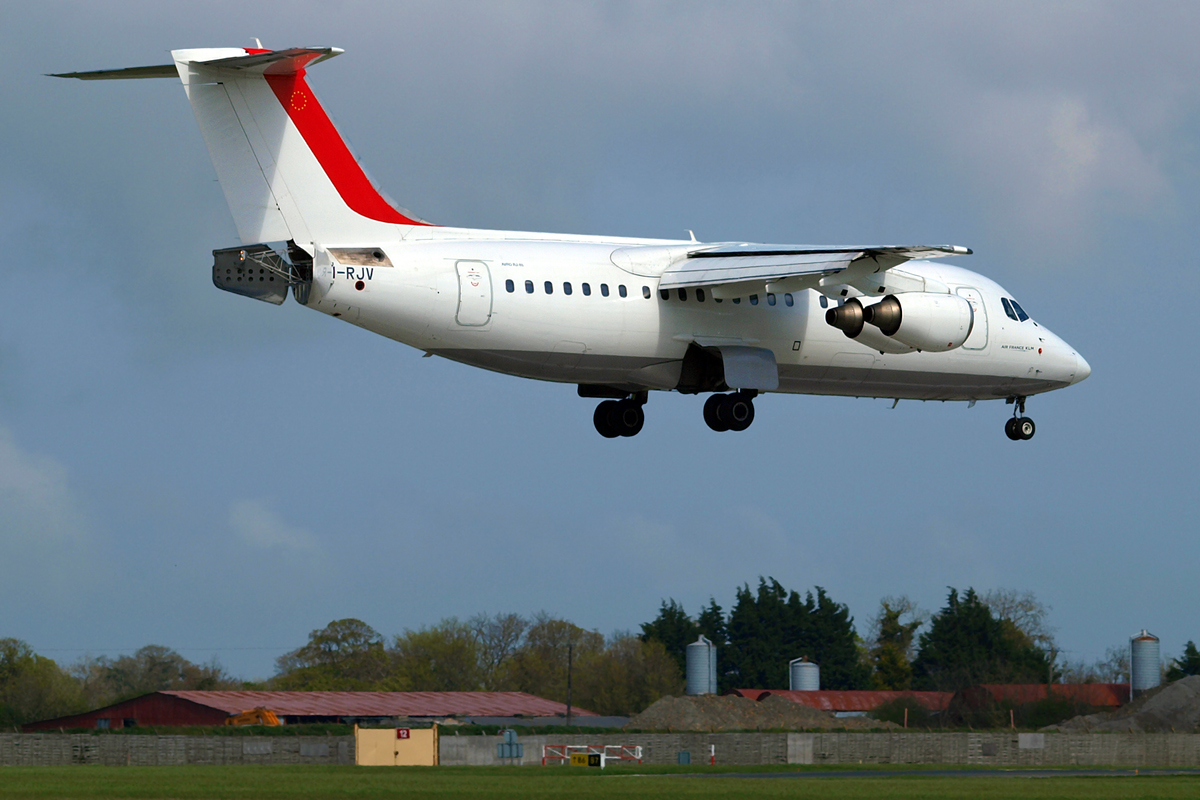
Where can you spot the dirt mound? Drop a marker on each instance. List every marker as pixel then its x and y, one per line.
pixel 1174 708
pixel 733 713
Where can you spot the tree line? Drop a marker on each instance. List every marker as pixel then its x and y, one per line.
pixel 1000 636
pixel 995 637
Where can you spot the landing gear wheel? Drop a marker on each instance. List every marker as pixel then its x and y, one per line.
pixel 629 418
pixel 615 418
pixel 605 412
pixel 1026 428
pixel 1010 429
pixel 712 418
pixel 739 410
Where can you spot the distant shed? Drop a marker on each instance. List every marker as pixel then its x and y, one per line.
pixel 850 702
pixel 1097 695
pixel 198 708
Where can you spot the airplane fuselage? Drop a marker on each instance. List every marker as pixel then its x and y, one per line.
pixel 565 311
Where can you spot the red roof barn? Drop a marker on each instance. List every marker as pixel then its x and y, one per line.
pixel 212 708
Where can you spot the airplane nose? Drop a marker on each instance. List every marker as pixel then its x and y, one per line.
pixel 1082 369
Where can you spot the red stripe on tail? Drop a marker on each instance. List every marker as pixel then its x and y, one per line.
pixel 327 145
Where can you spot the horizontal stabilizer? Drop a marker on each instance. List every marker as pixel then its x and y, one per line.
pixel 130 73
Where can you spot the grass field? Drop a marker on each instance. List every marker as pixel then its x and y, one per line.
pixel 477 783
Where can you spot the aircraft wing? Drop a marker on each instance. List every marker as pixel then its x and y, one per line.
pixel 792 267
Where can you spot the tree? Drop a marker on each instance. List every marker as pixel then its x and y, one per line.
pixel 674 629
pixel 498 638
pixel 1024 612
pixel 539 666
pixel 626 676
pixel 442 658
pixel 345 655
pixel 770 627
pixel 967 645
pixel 1185 665
pixel 891 649
pixel 32 687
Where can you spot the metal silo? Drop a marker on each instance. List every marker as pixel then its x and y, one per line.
pixel 803 675
pixel 712 669
pixel 701 667
pixel 1144 664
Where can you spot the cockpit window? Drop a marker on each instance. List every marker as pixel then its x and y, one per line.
pixel 1008 309
pixel 1020 311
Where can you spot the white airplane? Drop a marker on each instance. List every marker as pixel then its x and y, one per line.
pixel 619 317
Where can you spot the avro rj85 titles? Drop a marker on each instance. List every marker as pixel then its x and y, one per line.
pixel 618 317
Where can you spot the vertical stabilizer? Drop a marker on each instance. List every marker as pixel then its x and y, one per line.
pixel 285 170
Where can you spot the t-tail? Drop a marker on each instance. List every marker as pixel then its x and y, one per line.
pixel 287 173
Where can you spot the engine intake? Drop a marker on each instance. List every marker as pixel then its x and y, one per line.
pixel 924 320
pixel 847 318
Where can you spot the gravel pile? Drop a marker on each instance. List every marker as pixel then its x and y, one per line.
pixel 732 713
pixel 1174 708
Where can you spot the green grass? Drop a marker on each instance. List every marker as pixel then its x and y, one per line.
pixel 524 783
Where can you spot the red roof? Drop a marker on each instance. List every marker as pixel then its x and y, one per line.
pixel 850 700
pixel 1091 694
pixel 385 704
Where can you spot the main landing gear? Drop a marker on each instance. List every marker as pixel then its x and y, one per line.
pixel 615 418
pixel 730 412
pixel 1019 427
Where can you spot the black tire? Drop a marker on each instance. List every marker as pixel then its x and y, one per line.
pixel 1010 429
pixel 602 419
pixel 1025 428
pixel 739 410
pixel 712 413
pixel 630 418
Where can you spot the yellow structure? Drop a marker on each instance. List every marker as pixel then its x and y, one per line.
pixel 255 716
pixel 396 747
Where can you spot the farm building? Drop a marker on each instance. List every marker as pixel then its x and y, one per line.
pixel 213 708
pixel 850 702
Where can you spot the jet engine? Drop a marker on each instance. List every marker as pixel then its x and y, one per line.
pixel 921 320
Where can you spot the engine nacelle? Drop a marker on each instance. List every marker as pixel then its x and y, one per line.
pixel 849 318
pixel 924 320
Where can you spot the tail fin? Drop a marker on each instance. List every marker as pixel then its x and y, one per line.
pixel 285 170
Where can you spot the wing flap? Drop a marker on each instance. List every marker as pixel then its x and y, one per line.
pixel 798 265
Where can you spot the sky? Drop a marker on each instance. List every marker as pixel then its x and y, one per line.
pixel 185 467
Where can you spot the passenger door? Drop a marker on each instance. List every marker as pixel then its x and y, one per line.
pixel 474 293
pixel 979 331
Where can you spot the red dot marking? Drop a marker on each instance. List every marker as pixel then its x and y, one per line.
pixel 359 285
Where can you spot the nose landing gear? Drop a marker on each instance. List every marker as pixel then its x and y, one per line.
pixel 1019 427
pixel 729 412
pixel 615 418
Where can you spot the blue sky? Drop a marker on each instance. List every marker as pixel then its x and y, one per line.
pixel 185 467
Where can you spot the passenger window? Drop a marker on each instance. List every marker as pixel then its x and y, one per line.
pixel 1020 311
pixel 604 290
pixel 646 292
pixel 824 301
pixel 621 290
pixel 587 290
pixel 566 287
pixel 699 295
pixel 683 294
pixel 753 299
pixel 787 300
pixel 717 300
pixel 528 287
pixel 737 300
pixel 770 298
pixel 508 284
pixel 1008 309
pixel 549 287
pixel 665 294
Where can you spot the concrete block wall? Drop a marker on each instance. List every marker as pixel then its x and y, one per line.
pixel 982 749
pixel 55 749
